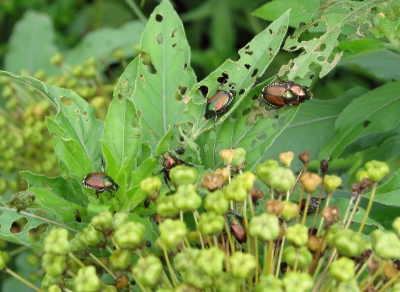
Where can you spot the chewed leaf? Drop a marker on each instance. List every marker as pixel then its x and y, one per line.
pixel 164 74
pixel 239 76
pixel 319 51
pixel 122 136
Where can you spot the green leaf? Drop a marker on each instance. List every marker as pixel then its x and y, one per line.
pixel 388 193
pixel 32 45
pixel 320 50
pixel 161 86
pixel 316 117
pixel 134 194
pixel 375 111
pixel 300 11
pixel 58 186
pixel 102 42
pixel 76 130
pixel 122 136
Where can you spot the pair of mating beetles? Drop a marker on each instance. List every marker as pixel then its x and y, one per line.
pixel 276 94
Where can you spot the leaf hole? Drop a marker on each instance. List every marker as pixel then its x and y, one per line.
pixel 242 91
pixel 321 47
pixel 65 101
pixel 321 58
pixel 223 79
pixel 160 38
pixel 142 77
pixel 247 66
pixel 173 32
pixel 185 67
pixel 18 225
pixel 271 32
pixel 77 111
pixel 270 52
pixel 281 30
pixel 255 71
pixel 174 45
pixel 204 90
pixel 159 17
pixel 36 233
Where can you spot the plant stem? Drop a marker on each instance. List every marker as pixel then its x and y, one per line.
pixel 171 270
pixel 371 200
pixel 78 261
pixel 102 265
pixel 18 277
pixel 305 212
pixel 353 212
pixel 136 10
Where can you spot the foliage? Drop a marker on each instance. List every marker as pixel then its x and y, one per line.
pixel 158 106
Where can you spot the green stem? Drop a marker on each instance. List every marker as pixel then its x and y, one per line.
pixel 353 212
pixel 371 200
pixel 246 227
pixel 303 222
pixel 136 10
pixel 171 270
pixel 78 261
pixel 102 265
pixel 278 262
pixel 256 255
pixel 230 239
pixel 18 277
pixel 195 214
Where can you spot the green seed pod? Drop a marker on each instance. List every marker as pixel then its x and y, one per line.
pixel 120 259
pixel 150 185
pixel 183 175
pixel 297 234
pixel 49 281
pixel 348 243
pixel 216 202
pixel 186 198
pixel 77 245
pixel 376 170
pixel 263 170
pixel 87 280
pixel 129 235
pixel 119 219
pixel 55 265
pixel 54 288
pixel 281 179
pixel 331 183
pixel 289 211
pixel 103 222
pixel 185 259
pixel 385 244
pixel 57 242
pixel 342 269
pixel 2 261
pixel 396 225
pixel 239 160
pixel 299 282
pixel 268 283
pixel 211 223
pixel 148 270
pixel 166 207
pixel 211 261
pixel 241 264
pixel 91 237
pixel 172 233
pixel 265 227
pixel 303 255
pixel 234 192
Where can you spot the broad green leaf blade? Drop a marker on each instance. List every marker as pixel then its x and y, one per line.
pixel 161 86
pixel 300 11
pixel 389 192
pixel 252 127
pixel 76 127
pixel 242 74
pixel 122 135
pixel 311 128
pixel 32 44
pixel 103 42
pixel 58 186
pixel 375 111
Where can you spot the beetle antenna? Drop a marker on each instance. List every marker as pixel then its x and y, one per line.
pixel 102 164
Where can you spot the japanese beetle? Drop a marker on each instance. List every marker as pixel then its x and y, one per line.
pixel 312 206
pixel 278 94
pixel 301 91
pixel 236 224
pixel 168 160
pixel 99 181
pixel 219 103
